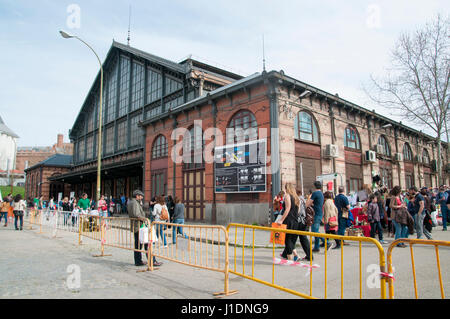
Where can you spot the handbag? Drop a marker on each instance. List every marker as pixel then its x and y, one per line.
pixel 332 222
pixel 278 237
pixel 309 216
pixel 345 212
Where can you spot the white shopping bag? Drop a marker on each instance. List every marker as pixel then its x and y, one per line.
pixel 143 234
pixel 154 237
pixel 434 218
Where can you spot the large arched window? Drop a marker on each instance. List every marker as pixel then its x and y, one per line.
pixel 425 156
pixel 242 128
pixel 407 152
pixel 351 138
pixel 160 147
pixel 305 127
pixel 386 150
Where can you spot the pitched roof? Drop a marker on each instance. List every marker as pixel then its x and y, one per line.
pixel 6 130
pixel 58 160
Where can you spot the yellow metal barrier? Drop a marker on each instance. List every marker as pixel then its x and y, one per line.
pixel 200 246
pixel 114 232
pixel 272 284
pixel 411 242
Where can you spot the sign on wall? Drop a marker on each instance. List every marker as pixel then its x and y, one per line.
pixel 240 168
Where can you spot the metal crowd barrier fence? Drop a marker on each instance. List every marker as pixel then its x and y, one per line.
pixel 113 232
pixel 309 265
pixel 411 242
pixel 200 246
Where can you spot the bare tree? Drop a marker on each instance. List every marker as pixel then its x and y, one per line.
pixel 416 85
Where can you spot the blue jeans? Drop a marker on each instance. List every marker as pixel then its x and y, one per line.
pixel 315 229
pixel 4 215
pixel 177 229
pixel 444 211
pixel 342 225
pixel 20 219
pixel 401 231
pixel 160 232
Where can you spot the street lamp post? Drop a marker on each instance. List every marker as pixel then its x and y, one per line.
pixel 99 152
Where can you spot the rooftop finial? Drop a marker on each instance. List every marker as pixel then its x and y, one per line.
pixel 129 25
pixel 264 55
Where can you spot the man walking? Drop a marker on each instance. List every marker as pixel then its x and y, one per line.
pixel 441 199
pixel 316 201
pixel 341 202
pixel 418 212
pixel 136 212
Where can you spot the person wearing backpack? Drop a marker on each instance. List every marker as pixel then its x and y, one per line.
pixel 294 217
pixel 161 214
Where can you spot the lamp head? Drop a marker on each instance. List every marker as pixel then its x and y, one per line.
pixel 65 35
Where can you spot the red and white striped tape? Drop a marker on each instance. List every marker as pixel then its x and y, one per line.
pixel 285 262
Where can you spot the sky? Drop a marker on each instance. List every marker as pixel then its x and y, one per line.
pixel 333 45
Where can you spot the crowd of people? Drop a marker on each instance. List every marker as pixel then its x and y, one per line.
pixel 395 212
pixel 162 209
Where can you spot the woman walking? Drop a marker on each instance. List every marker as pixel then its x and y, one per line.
pixel 397 209
pixel 19 206
pixel 160 209
pixel 294 220
pixel 330 214
pixel 4 208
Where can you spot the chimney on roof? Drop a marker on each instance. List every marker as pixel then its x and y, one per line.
pixel 60 141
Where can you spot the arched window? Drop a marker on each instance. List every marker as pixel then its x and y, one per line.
pixel 407 152
pixel 305 127
pixel 425 156
pixel 351 138
pixel 242 128
pixel 386 150
pixel 160 147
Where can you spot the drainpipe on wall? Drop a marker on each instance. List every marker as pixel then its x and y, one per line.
pixel 214 207
pixel 333 141
pixel 274 138
pixel 369 129
pixel 398 164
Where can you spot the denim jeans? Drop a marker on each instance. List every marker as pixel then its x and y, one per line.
pixel 160 232
pixel 4 215
pixel 374 226
pixel 401 231
pixel 342 225
pixel 177 229
pixel 418 223
pixel 444 211
pixel 315 229
pixel 20 219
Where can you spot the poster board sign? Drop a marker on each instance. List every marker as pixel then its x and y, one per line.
pixel 241 168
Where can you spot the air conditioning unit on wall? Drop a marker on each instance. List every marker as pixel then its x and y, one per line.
pixel 398 157
pixel 371 157
pixel 331 151
pixel 378 149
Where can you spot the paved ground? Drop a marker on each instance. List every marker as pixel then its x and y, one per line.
pixel 38 266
